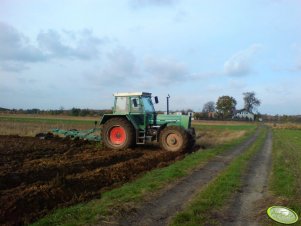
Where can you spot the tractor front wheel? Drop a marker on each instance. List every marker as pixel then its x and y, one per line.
pixel 174 138
pixel 118 133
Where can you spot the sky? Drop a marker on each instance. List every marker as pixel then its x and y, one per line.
pixel 73 53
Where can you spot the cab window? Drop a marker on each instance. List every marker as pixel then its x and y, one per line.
pixel 121 104
pixel 136 108
pixel 148 105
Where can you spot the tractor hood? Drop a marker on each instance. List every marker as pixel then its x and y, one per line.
pixel 177 120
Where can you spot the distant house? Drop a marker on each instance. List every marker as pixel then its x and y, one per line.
pixel 212 115
pixel 243 114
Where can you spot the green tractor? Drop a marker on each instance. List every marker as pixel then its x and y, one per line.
pixel 134 121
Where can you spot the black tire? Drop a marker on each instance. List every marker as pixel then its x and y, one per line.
pixel 191 143
pixel 174 138
pixel 118 133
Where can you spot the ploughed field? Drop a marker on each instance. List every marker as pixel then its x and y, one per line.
pixel 37 176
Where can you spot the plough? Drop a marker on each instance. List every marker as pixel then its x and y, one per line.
pixel 78 134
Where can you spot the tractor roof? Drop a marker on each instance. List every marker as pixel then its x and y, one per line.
pixel 132 94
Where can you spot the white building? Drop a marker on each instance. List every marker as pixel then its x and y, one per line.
pixel 243 114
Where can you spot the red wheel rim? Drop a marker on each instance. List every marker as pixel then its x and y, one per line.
pixel 117 135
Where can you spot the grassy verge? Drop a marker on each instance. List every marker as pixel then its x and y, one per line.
pixel 285 180
pixel 135 191
pixel 212 135
pixel 215 194
pixel 231 127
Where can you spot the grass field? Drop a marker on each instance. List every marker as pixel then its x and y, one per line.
pixel 285 181
pixel 210 134
pixel 285 125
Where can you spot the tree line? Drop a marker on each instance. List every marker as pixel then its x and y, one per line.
pixel 70 112
pixel 225 106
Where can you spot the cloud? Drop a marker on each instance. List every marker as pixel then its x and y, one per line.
pixel 122 65
pixel 120 68
pixel 14 46
pixel 84 44
pixel 144 3
pixel 13 66
pixel 16 49
pixel 240 64
pixel 166 71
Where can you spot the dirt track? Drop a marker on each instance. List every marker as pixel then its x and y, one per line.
pixel 163 206
pixel 37 176
pixel 243 209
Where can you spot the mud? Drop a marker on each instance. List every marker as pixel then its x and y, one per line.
pixel 160 208
pixel 37 176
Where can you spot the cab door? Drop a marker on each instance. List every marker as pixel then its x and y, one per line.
pixel 137 112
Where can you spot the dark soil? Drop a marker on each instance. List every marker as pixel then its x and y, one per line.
pixel 159 209
pixel 37 176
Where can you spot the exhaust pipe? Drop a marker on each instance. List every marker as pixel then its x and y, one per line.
pixel 167 101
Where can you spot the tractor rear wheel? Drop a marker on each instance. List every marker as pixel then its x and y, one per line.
pixel 118 133
pixel 174 138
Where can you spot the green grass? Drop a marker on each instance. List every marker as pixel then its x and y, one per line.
pixel 133 192
pixel 231 127
pixel 285 181
pixel 215 194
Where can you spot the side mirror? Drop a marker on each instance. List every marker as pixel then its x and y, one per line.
pixel 156 100
pixel 135 103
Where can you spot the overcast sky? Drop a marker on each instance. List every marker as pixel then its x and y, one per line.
pixel 72 53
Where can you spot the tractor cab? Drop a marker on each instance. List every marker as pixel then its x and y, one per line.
pixel 139 102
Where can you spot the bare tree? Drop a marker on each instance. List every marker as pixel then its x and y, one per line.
pixel 209 107
pixel 251 102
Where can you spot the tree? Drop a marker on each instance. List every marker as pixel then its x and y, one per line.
pixel 198 115
pixel 209 107
pixel 75 111
pixel 251 102
pixel 225 106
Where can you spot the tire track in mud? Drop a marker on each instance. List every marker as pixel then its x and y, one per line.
pixel 242 210
pixel 159 210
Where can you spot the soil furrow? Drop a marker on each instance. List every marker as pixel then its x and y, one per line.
pixel 53 169
pixel 31 187
pixel 162 207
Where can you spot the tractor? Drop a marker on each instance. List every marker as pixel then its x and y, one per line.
pixel 135 121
